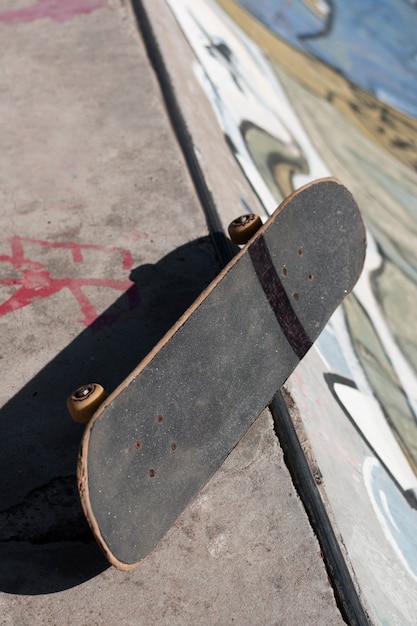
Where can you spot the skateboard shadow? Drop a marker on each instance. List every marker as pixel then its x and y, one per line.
pixel 45 543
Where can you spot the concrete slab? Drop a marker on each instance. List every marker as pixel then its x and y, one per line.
pixel 103 244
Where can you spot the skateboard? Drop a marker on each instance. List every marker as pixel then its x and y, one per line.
pixel 159 437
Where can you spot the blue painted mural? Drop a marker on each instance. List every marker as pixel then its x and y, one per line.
pixel 370 42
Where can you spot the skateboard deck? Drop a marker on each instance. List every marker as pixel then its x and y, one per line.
pixel 157 440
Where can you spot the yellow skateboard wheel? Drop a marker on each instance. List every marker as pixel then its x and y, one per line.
pixel 84 401
pixel 244 227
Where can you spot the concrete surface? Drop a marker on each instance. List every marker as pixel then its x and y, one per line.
pixel 103 244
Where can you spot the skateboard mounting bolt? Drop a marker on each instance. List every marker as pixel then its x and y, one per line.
pixel 138 445
pixel 83 392
pixel 300 252
pixel 284 271
pixel 173 446
pixel 295 295
pixel 244 219
pixel 151 473
pixel 160 418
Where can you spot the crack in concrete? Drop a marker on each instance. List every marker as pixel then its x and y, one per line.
pixel 48 514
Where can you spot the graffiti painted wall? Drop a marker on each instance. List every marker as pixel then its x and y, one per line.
pixel 316 88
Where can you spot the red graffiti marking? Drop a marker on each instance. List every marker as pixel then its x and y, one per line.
pixel 56 10
pixel 34 281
